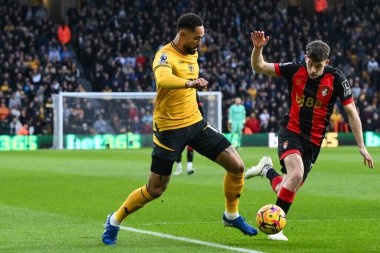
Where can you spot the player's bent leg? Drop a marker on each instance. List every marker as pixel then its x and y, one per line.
pixel 138 198
pixel 230 160
pixel 157 184
pixel 295 171
pixel 260 169
pixel 233 186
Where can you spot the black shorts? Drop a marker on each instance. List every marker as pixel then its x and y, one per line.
pixel 292 143
pixel 169 144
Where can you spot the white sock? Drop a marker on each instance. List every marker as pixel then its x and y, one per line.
pixel 189 166
pixel 113 221
pixel 231 216
pixel 179 166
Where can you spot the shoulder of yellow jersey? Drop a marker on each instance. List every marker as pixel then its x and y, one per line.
pixel 163 56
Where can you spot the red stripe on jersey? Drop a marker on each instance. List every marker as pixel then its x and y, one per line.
pixel 277 69
pixel 298 85
pixel 322 100
pixel 348 101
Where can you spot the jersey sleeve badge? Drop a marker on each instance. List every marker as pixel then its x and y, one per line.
pixel 163 59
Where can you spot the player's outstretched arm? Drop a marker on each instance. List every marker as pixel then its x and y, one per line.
pixel 356 127
pixel 257 60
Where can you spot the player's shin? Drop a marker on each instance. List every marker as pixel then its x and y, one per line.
pixel 233 186
pixel 137 199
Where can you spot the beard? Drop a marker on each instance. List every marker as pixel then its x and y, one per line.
pixel 190 50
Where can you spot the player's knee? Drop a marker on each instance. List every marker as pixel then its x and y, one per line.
pixel 238 166
pixel 296 178
pixel 241 166
pixel 156 192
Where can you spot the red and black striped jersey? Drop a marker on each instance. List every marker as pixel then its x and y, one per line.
pixel 312 101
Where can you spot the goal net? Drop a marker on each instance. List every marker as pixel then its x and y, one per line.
pixel 99 120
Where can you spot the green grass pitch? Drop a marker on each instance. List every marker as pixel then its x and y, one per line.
pixel 57 201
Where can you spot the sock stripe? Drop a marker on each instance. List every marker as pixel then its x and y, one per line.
pixel 286 195
pixel 146 196
pixel 276 181
pixel 142 193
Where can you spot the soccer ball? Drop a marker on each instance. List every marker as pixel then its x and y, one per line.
pixel 271 219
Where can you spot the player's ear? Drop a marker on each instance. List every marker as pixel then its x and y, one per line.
pixel 327 61
pixel 182 34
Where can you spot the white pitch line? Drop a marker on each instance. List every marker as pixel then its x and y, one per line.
pixel 215 222
pixel 184 239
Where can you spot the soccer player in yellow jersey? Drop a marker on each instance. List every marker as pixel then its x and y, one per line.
pixel 177 122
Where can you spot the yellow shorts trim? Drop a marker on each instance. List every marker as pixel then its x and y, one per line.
pixel 157 142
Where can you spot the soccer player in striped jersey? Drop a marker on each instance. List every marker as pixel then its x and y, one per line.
pixel 177 122
pixel 313 90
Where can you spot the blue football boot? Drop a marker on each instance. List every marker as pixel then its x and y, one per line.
pixel 109 236
pixel 240 224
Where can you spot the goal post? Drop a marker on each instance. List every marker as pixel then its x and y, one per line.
pixel 89 120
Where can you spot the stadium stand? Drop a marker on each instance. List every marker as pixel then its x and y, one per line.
pixel 114 42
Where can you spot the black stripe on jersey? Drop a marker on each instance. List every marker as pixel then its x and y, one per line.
pixel 307 112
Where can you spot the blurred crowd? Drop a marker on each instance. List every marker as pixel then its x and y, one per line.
pixel 115 41
pixel 34 65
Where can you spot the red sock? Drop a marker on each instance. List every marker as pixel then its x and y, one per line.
pixel 277 180
pixel 285 199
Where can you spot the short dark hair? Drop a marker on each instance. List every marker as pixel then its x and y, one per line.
pixel 189 21
pixel 318 50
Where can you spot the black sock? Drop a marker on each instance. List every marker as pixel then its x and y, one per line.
pixel 190 155
pixel 285 199
pixel 271 174
pixel 283 204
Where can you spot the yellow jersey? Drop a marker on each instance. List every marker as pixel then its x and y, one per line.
pixel 176 106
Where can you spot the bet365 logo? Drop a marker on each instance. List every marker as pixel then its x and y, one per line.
pixel 308 101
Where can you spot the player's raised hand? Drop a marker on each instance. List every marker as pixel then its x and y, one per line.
pixel 367 157
pixel 258 39
pixel 198 83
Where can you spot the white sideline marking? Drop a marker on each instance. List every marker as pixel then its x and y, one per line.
pixel 215 222
pixel 184 239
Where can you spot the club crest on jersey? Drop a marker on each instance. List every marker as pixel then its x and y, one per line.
pixel 191 68
pixel 285 144
pixel 325 91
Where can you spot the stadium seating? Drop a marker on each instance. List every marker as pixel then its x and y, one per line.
pixel 114 42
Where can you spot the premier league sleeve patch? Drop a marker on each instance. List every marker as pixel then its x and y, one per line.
pixel 346 88
pixel 163 59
